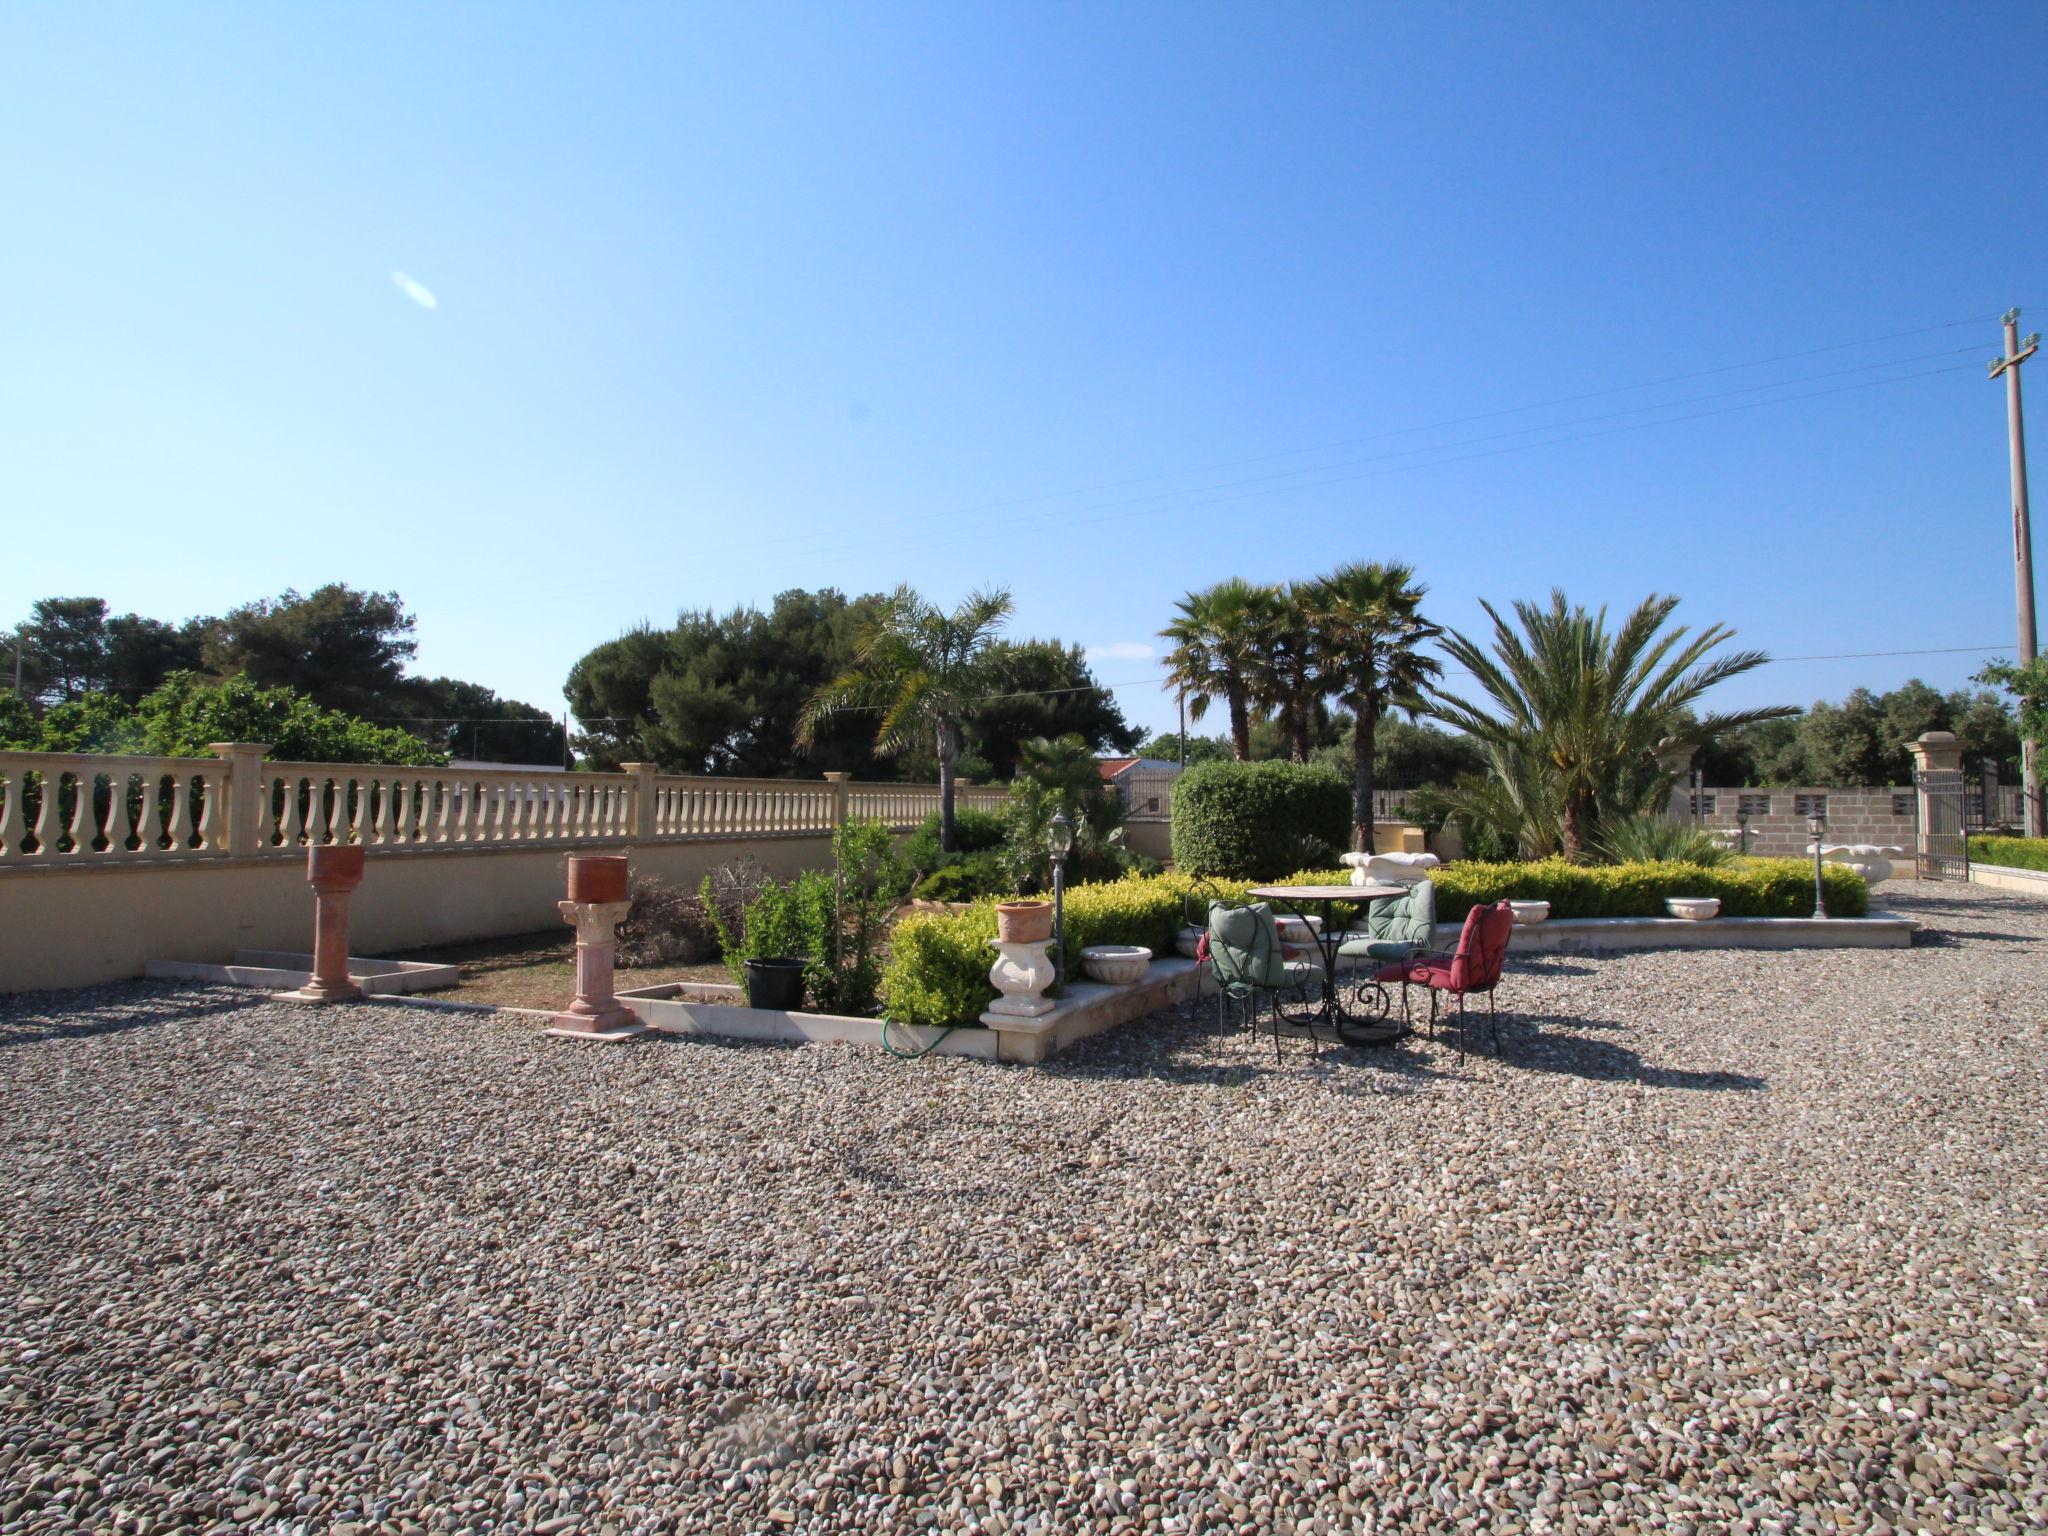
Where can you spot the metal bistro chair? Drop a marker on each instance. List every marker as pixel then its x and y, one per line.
pixel 1245 958
pixel 1474 967
pixel 1395 930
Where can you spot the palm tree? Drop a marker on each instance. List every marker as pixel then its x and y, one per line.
pixel 1592 706
pixel 1287 676
pixel 923 670
pixel 1218 648
pixel 1369 634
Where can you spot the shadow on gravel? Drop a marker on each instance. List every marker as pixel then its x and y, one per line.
pixel 1534 1050
pixel 1547 965
pixel 1975 906
pixel 1943 938
pixel 30 1017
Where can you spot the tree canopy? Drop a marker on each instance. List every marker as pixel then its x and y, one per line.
pixel 341 650
pixel 1861 739
pixel 723 693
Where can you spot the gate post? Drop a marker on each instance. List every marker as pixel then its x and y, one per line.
pixel 1940 840
pixel 1675 757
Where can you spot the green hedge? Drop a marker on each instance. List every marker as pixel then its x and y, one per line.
pixel 1255 821
pixel 2013 852
pixel 1747 887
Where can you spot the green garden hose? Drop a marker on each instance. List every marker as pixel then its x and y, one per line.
pixel 913 1055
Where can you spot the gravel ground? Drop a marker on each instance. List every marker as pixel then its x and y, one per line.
pixel 1721 1242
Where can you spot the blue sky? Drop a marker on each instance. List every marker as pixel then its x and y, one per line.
pixel 1100 303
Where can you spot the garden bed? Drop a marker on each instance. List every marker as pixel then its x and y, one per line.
pixel 538 970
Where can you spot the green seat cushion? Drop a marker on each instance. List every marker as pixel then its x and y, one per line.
pixel 1377 949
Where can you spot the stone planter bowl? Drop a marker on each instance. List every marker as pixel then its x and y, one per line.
pixel 1297 930
pixel 1529 913
pixel 1117 964
pixel 339 864
pixel 1693 908
pixel 1188 941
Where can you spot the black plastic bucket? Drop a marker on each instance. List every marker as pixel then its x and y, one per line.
pixel 775 982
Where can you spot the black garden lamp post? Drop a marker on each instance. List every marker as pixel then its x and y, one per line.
pixel 1742 832
pixel 1059 842
pixel 1817 823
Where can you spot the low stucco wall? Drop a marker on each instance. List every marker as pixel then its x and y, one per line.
pixel 2007 877
pixel 79 927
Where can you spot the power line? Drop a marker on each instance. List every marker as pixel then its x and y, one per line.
pixel 914 518
pixel 1143 506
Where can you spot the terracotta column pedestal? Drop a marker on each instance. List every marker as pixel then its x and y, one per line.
pixel 334 871
pixel 597 903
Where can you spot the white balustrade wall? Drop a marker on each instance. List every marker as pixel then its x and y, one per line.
pixel 84 810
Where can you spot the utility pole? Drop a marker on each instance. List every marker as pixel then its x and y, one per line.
pixel 2017 352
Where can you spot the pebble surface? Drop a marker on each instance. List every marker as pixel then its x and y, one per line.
pixel 1720 1242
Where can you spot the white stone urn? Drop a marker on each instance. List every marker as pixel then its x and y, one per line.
pixel 1189 941
pixel 1529 913
pixel 1871 861
pixel 1379 868
pixel 1117 964
pixel 1021 973
pixel 1694 909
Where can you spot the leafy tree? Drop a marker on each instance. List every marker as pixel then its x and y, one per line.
pixel 1368 633
pixel 20 730
pixel 188 713
pixel 1218 646
pixel 1842 743
pixel 1200 749
pixel 1412 753
pixel 96 722
pixel 923 672
pixel 345 649
pixel 1582 710
pixel 1986 728
pixel 2028 684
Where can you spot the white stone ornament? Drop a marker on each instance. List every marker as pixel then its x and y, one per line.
pixel 1021 973
pixel 1382 868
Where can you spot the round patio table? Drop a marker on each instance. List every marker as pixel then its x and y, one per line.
pixel 1350 1026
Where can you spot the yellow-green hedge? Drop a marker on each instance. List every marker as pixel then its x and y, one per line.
pixel 1747 887
pixel 2012 852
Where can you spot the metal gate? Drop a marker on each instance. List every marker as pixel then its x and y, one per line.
pixel 1943 847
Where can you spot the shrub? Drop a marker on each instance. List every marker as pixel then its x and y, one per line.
pixel 725 893
pixel 665 924
pixel 974 831
pixel 938 968
pixel 2013 852
pixel 1253 821
pixel 1654 839
pixel 967 877
pixel 867 888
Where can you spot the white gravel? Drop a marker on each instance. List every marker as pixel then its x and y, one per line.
pixel 1723 1242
